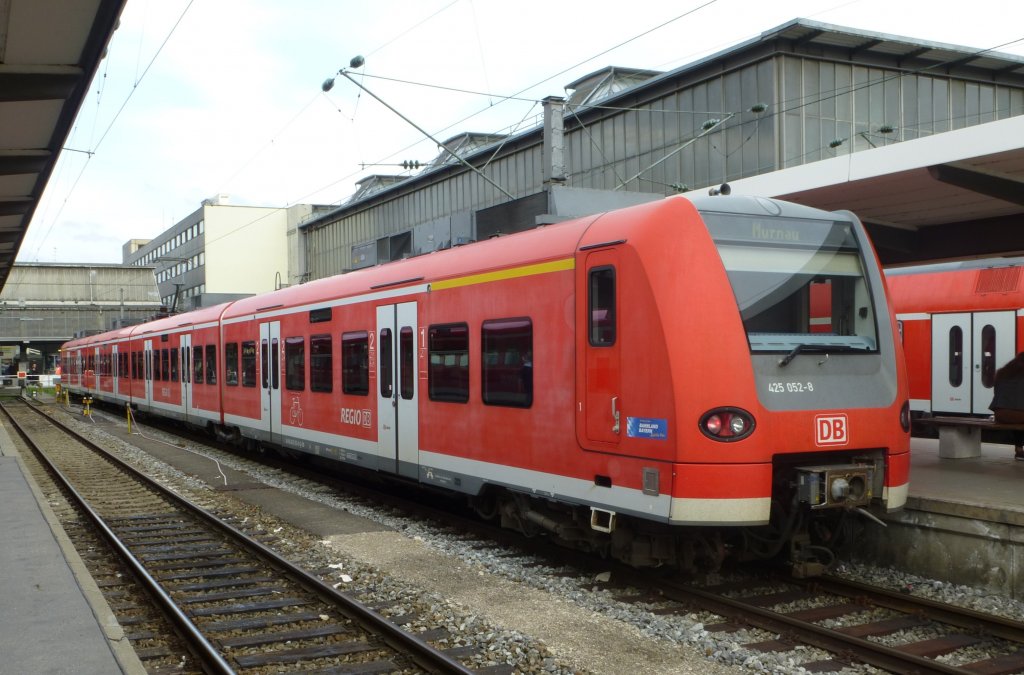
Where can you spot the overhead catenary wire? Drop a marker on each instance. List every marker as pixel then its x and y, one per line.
pixel 798 103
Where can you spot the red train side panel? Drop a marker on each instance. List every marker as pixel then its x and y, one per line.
pixel 960 322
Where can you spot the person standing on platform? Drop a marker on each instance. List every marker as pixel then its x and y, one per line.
pixel 1008 400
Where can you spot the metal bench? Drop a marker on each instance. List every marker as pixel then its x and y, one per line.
pixel 960 437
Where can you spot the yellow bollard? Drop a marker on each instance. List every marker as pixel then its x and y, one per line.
pixel 128 414
pixel 86 401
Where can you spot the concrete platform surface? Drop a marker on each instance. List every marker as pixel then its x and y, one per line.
pixel 994 481
pixel 53 618
pixel 963 521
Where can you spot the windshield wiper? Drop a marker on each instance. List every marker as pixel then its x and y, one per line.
pixel 808 347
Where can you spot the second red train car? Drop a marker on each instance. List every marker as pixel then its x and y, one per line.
pixel 960 322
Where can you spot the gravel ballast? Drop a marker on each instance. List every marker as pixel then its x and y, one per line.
pixel 525 613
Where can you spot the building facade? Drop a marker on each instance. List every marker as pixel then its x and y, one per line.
pixel 223 252
pixel 797 94
pixel 43 305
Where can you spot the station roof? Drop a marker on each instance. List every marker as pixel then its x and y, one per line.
pixel 49 52
pixel 952 196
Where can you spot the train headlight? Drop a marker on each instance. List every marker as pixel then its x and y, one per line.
pixel 726 424
pixel 905 416
pixel 737 425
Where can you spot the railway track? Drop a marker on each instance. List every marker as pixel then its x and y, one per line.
pixel 238 605
pixel 855 624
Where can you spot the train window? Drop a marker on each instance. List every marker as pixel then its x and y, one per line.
pixel 956 356
pixel 321 363
pixel 157 370
pixel 275 363
pixel 386 364
pixel 988 356
pixel 264 352
pixel 507 362
pixel 174 365
pixel 295 363
pixel 197 365
pixel 407 362
pixel 799 283
pixel 249 363
pixel 211 365
pixel 355 363
pixel 448 369
pixel 320 315
pixel 601 299
pixel 231 364
pixel 264 364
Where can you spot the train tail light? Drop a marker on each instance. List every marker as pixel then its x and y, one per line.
pixel 905 416
pixel 727 424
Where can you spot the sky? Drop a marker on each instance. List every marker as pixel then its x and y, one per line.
pixel 197 98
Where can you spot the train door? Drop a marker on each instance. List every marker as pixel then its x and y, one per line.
pixel 398 345
pixel 270 378
pixel 967 349
pixel 147 359
pixel 603 358
pixel 185 345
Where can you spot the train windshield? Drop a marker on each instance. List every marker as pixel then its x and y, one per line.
pixel 800 284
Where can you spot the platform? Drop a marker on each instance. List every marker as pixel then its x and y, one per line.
pixel 53 616
pixel 963 522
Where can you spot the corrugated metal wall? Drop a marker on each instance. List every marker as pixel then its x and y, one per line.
pixel 816 109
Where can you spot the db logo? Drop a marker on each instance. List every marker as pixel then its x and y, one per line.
pixel 831 430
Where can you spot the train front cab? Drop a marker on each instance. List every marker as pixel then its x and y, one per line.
pixel 742 418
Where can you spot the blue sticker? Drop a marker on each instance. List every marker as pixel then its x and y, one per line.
pixel 645 427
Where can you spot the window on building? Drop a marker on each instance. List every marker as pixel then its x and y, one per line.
pixel 249 363
pixel 355 363
pixel 448 369
pixel 295 363
pixel 321 363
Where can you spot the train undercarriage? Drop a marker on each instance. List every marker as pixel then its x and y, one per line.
pixel 817 516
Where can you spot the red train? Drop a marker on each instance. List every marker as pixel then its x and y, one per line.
pixel 650 383
pixel 960 322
